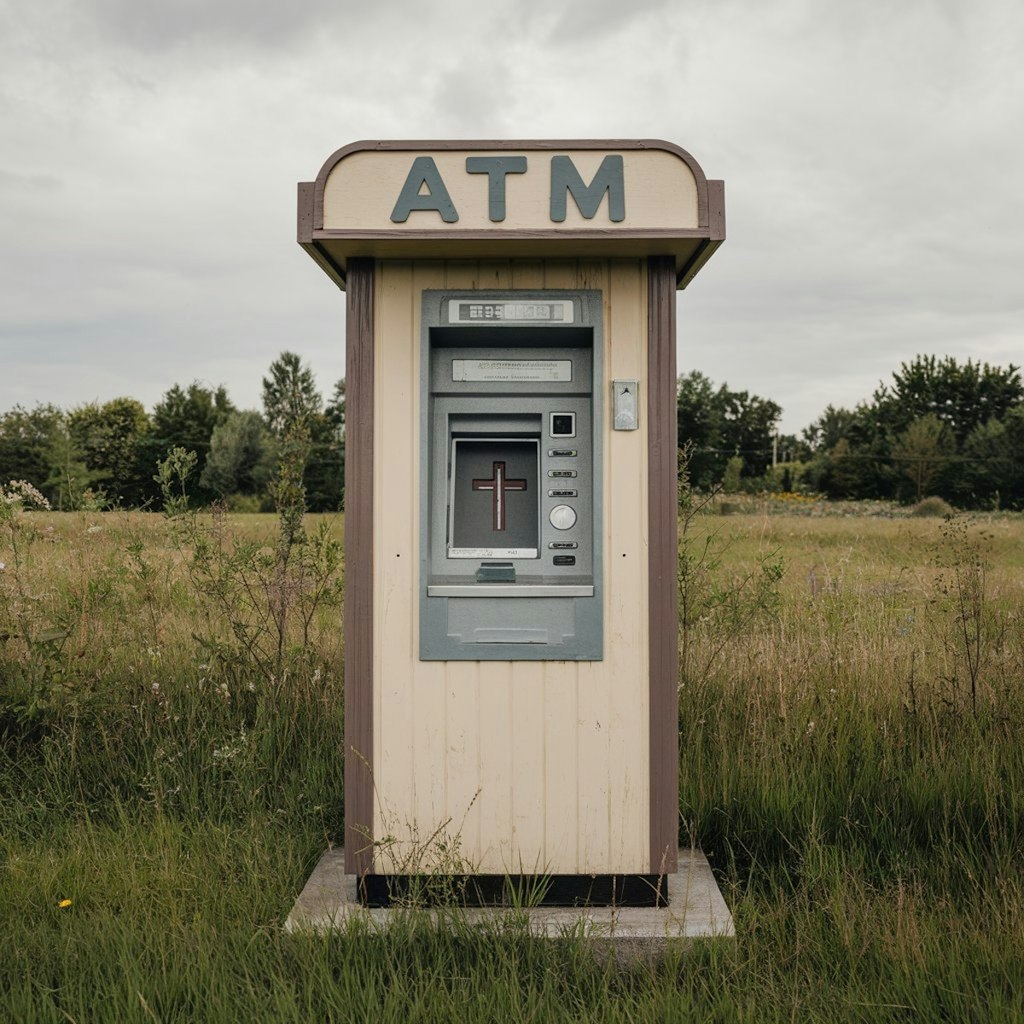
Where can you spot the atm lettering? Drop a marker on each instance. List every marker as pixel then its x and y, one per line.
pixel 424 174
pixel 496 168
pixel 425 191
pixel 608 181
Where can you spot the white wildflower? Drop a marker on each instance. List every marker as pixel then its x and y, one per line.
pixel 21 492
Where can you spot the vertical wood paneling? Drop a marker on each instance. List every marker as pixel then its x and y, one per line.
pixel 496 778
pixel 663 526
pixel 626 558
pixel 561 764
pixel 427 682
pixel 395 555
pixel 499 737
pixel 461 768
pixel 527 274
pixel 528 715
pixel 359 581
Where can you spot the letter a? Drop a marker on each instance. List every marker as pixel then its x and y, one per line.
pixel 424 172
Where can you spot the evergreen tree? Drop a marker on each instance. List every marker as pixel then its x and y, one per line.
pixel 923 451
pixel 70 484
pixel 289 393
pixel 186 418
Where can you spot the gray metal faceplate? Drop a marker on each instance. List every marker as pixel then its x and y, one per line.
pixel 509 470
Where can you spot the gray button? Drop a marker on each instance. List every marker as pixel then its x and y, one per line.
pixel 562 517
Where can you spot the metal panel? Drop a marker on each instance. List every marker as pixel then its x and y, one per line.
pixel 455 411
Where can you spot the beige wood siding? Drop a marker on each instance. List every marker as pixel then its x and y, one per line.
pixel 508 766
pixel 361 191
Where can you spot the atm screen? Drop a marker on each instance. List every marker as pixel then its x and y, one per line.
pixel 493 502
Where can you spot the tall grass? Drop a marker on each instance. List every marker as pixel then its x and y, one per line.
pixel 855 782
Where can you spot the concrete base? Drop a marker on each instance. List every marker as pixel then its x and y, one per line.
pixel 696 910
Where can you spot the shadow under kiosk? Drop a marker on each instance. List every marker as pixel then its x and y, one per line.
pixel 511 530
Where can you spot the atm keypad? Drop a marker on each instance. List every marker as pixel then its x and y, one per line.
pixel 565 516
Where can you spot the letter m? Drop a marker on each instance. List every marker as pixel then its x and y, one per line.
pixel 608 180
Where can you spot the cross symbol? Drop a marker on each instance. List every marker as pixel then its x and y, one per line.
pixel 499 485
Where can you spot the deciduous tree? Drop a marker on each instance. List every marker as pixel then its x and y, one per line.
pixel 26 436
pixel 961 396
pixel 113 440
pixel 242 456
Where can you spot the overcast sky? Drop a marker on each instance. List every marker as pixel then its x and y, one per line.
pixel 872 155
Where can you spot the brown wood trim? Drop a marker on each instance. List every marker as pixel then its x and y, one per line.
pixel 359 375
pixel 326 262
pixel 716 210
pixel 663 548
pixel 441 145
pixel 716 234
pixel 689 269
pixel 304 228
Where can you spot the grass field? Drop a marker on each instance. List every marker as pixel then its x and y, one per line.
pixel 852 725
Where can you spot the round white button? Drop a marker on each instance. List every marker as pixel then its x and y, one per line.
pixel 562 517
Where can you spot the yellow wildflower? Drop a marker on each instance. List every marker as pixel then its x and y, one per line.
pixel 64 903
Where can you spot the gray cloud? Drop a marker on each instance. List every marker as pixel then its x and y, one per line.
pixel 235 24
pixel 872 168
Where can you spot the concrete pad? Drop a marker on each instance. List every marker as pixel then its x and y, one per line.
pixel 696 910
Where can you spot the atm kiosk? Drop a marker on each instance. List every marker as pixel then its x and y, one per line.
pixel 511 523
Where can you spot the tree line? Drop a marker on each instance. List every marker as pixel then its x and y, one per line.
pixel 101 455
pixel 938 427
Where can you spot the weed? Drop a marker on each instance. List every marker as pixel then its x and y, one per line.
pixel 961 589
pixel 717 607
pixel 267 593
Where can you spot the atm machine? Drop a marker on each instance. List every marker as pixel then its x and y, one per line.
pixel 511 554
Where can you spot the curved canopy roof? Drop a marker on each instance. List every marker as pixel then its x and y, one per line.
pixel 511 199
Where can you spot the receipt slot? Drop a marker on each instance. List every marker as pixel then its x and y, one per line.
pixel 511 476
